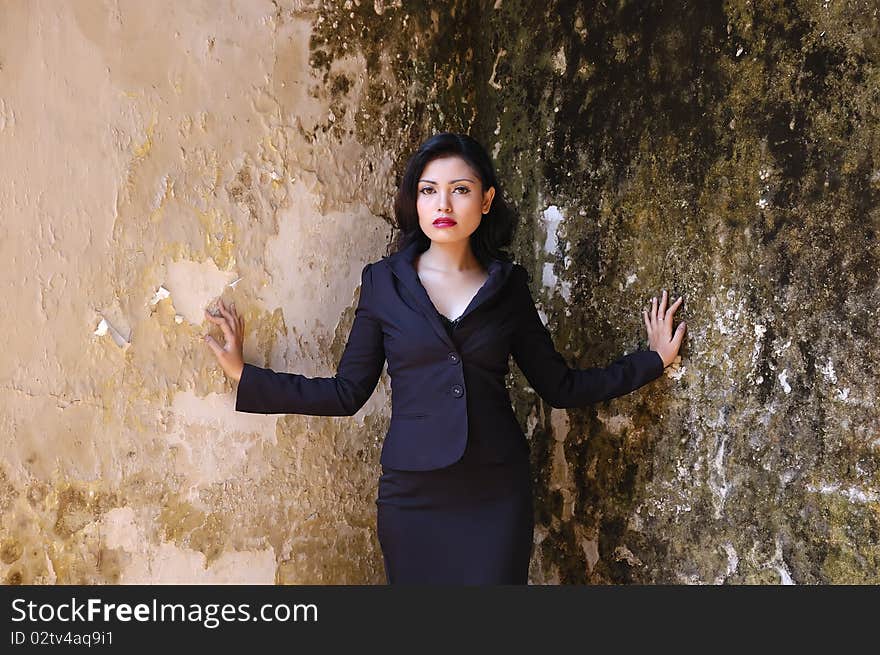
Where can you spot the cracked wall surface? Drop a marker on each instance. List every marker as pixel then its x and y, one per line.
pixel 161 155
pixel 158 156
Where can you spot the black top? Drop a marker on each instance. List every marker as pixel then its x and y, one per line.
pixel 448 324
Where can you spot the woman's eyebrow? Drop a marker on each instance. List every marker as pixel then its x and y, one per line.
pixel 451 181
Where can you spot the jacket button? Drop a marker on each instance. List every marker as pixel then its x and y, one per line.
pixel 457 391
pixel 453 358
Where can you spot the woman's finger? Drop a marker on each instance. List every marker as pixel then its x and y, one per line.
pixel 218 320
pixel 214 345
pixel 662 308
pixel 237 318
pixel 226 328
pixel 679 335
pixel 228 315
pixel 228 333
pixel 224 310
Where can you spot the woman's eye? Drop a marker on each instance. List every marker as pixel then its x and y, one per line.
pixel 428 189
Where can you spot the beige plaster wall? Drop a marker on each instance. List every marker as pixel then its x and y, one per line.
pixel 157 156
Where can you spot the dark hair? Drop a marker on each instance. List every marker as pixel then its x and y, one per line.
pixel 496 227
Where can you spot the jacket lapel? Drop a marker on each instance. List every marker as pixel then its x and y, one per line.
pixel 403 268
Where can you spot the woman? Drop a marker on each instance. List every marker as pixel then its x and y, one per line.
pixel 447 310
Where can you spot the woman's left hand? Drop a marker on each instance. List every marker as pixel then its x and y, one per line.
pixel 658 322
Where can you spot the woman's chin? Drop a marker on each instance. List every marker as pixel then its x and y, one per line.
pixel 447 234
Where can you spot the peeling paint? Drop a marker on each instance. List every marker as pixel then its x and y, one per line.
pixel 105 327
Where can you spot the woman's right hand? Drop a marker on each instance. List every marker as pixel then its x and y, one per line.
pixel 230 354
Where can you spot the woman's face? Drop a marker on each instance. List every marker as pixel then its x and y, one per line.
pixel 448 188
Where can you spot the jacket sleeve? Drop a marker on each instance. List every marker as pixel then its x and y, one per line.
pixel 263 391
pixel 551 377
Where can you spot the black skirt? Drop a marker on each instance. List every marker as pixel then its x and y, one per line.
pixel 467 524
pixel 470 523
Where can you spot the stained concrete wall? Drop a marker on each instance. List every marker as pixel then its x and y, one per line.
pixel 158 155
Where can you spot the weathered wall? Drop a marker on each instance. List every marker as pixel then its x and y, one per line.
pixel 724 151
pixel 180 147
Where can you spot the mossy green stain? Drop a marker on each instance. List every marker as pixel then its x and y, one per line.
pixel 650 132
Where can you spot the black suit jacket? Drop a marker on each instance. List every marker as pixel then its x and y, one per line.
pixel 444 391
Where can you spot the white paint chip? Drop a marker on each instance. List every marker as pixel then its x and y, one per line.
pixel 852 493
pixel 785 385
pixel 105 327
pixel 828 372
pixel 552 218
pixel 548 277
pixel 160 295
pixel 565 288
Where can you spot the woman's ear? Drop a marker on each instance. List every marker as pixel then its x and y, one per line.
pixel 487 199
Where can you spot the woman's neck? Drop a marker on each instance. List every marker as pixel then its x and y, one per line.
pixel 456 257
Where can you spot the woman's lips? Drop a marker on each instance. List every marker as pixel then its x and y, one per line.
pixel 444 222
